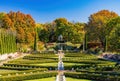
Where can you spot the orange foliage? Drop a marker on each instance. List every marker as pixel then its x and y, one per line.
pixel 23 24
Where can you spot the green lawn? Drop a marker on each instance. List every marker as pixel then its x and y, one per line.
pixel 53 79
pixel 55 64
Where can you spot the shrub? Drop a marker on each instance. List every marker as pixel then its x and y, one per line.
pixel 29 76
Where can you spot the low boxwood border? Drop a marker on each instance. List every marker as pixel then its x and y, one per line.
pixel 29 76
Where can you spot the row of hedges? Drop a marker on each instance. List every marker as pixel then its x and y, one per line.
pixel 28 76
pixel 69 67
pixel 28 66
pixel 16 72
pixel 21 65
pixel 84 61
pixel 97 77
pixel 7 42
pixel 24 61
pixel 97 68
pixel 42 55
pixel 38 58
pixel 21 68
pixel 104 67
pixel 78 55
pixel 78 58
pixel 100 72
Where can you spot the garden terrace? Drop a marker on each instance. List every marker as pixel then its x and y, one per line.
pixel 78 64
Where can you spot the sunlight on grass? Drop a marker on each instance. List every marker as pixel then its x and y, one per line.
pixel 53 79
pixel 55 64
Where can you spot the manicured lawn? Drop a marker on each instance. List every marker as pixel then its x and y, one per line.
pixel 53 79
pixel 55 64
pixel 73 79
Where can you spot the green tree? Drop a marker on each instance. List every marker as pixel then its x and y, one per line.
pixel 35 40
pixel 43 32
pixel 7 41
pixel 2 15
pixel 96 27
pixel 61 27
pixel 78 32
pixel 114 35
pixel 72 32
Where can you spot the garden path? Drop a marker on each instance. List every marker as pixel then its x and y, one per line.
pixel 9 59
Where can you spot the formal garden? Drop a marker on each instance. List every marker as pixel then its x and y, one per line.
pixel 29 50
pixel 40 66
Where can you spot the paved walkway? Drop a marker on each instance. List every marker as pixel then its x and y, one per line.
pixel 10 59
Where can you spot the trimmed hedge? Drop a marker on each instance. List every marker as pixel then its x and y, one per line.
pixel 26 61
pixel 97 77
pixel 39 58
pixel 29 76
pixel 99 72
pixel 69 67
pixel 24 71
pixel 21 68
pixel 28 66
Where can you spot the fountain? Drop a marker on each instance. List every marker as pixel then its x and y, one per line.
pixel 60 76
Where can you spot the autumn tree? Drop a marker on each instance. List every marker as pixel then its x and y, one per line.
pixel 22 23
pixel 96 27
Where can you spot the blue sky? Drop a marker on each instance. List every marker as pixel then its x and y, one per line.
pixel 47 10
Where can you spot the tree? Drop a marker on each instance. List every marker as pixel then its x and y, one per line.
pixel 7 41
pixel 114 35
pixel 96 27
pixel 72 32
pixel 22 23
pixel 78 32
pixel 61 27
pixel 2 15
pixel 44 32
pixel 35 40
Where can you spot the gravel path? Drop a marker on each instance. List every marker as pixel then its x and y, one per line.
pixel 9 59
